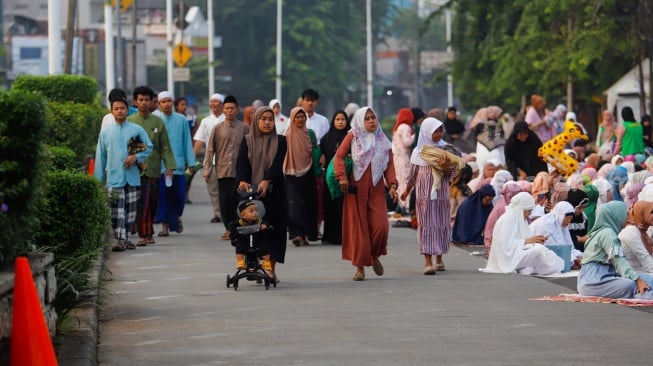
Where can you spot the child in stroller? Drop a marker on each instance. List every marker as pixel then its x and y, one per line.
pixel 249 236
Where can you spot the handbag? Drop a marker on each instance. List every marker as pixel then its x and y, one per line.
pixel 316 153
pixel 332 181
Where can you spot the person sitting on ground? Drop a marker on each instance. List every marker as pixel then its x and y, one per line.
pixel 515 248
pixel 471 217
pixel 554 227
pixel 605 271
pixel 637 245
pixel 510 189
pixel 250 215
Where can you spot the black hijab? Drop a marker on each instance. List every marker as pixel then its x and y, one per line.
pixel 330 142
pixel 523 155
pixel 627 114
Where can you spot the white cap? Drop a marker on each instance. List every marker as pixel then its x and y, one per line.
pixel 217 96
pixel 165 94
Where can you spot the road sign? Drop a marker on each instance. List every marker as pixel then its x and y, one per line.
pixel 181 74
pixel 181 54
pixel 124 4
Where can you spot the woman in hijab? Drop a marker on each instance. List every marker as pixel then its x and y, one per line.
pixel 364 217
pixel 500 178
pixel 281 122
pixel 432 202
pixel 637 245
pixel 541 191
pixel 617 179
pixel 259 169
pixel 460 190
pixel 590 210
pixel 604 170
pixel 521 152
pixel 554 226
pixel 472 216
pixel 630 134
pixel 605 191
pixel 300 181
pixel 510 189
pixel 333 206
pixel 515 248
pixel 605 271
pixel 489 169
pixel 578 225
pixel 560 192
pixel 403 136
pixel 633 187
pixel 607 132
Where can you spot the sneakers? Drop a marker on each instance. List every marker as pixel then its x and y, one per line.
pixel 240 263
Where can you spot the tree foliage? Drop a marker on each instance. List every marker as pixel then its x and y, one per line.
pixel 507 50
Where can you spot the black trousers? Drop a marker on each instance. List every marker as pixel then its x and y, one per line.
pixel 228 197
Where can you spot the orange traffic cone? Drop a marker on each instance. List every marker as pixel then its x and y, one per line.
pixel 30 341
pixel 90 169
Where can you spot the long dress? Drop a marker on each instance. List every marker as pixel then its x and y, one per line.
pixel 402 142
pixel 365 220
pixel 510 253
pixel 434 229
pixel 471 217
pixel 276 205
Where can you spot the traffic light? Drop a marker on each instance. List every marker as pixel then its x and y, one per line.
pixel 180 15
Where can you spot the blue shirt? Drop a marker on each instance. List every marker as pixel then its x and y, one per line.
pixel 180 141
pixel 112 151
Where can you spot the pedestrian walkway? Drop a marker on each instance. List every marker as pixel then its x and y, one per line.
pixel 168 304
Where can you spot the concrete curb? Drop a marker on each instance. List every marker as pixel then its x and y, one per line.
pixel 78 347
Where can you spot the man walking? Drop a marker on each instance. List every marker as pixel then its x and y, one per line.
pixel 221 157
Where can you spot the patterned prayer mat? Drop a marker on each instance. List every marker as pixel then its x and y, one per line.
pixel 596 299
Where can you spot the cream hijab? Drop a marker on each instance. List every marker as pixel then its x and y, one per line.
pixel 429 125
pixel 298 158
pixel 261 148
pixel 368 148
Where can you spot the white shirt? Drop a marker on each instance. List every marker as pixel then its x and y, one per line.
pixel 634 250
pixel 204 130
pixel 319 124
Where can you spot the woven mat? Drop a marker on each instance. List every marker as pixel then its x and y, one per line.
pixel 595 299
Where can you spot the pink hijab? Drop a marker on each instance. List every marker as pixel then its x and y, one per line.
pixel 368 148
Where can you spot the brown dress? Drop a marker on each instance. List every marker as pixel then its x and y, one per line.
pixel 365 215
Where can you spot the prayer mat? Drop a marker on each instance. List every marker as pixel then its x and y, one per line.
pixel 595 299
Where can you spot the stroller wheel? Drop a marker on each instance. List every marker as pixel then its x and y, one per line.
pixel 235 285
pixel 228 281
pixel 267 284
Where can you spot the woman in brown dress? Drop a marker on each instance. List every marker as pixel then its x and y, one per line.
pixel 365 221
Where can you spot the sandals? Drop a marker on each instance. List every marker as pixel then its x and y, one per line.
pixel 429 271
pixel 359 276
pixel 119 247
pixel 226 235
pixel 142 242
pixel 181 227
pixel 297 241
pixel 377 267
pixel 149 240
pixel 439 267
pixel 164 233
pixel 129 245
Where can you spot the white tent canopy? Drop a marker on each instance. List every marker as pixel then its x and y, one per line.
pixel 625 92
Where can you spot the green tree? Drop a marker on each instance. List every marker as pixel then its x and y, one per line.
pixel 507 50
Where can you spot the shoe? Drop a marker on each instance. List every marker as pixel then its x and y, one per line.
pixel 358 276
pixel 377 267
pixel 164 233
pixel 240 264
pixel 149 240
pixel 142 242
pixel 181 227
pixel 429 271
pixel 439 267
pixel 119 247
pixel 216 219
pixel 305 242
pixel 226 235
pixel 297 241
pixel 129 245
pixel 189 202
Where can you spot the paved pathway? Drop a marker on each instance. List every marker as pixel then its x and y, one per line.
pixel 167 304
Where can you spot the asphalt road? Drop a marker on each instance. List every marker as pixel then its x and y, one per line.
pixel 168 304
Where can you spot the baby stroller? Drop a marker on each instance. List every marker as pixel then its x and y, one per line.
pixel 253 271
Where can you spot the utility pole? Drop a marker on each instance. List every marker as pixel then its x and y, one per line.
pixel 119 53
pixel 134 40
pixel 54 37
pixel 70 34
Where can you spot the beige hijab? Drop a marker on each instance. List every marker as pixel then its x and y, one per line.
pixel 637 216
pixel 298 158
pixel 261 148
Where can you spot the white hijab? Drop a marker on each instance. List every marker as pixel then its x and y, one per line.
pixel 550 225
pixel 368 148
pixel 604 187
pixel 500 178
pixel 429 125
pixel 509 234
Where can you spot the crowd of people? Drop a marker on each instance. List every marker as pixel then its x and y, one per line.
pixel 477 183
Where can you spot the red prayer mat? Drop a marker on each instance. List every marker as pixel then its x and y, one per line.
pixel 597 299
